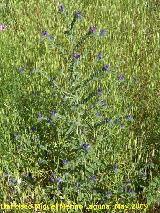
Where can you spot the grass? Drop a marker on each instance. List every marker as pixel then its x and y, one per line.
pixel 69 133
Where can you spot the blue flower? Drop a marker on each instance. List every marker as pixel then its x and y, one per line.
pixel 105 67
pixel 93 178
pixel 33 128
pixel 92 30
pixel 76 55
pixel 61 8
pixel 85 146
pixel 108 120
pixel 108 194
pixel 115 168
pixel 99 91
pixel 103 103
pixel 120 77
pixel 77 14
pixel 52 179
pixel 44 33
pixel 40 115
pixel 103 32
pixel 59 180
pixel 64 162
pixel 99 56
pixel 130 190
pixel 53 113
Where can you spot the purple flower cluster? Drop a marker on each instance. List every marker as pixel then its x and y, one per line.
pixel 85 147
pixel 76 56
pixel 44 33
pixel 105 67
